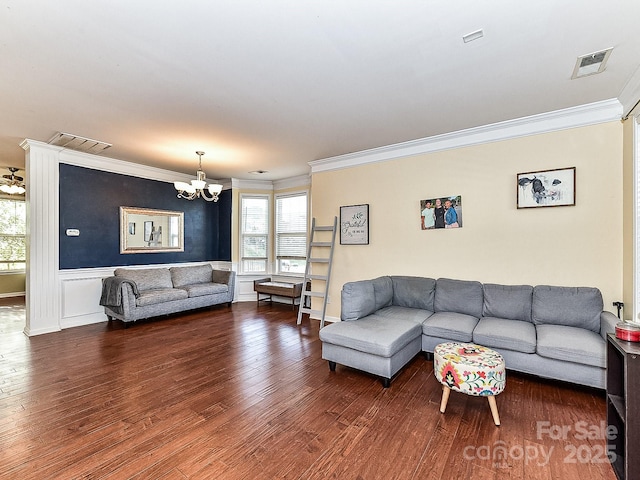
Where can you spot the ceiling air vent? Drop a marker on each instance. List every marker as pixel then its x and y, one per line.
pixel 81 144
pixel 591 63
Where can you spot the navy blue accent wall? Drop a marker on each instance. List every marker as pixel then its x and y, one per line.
pixel 90 201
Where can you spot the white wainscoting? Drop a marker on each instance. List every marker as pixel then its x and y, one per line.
pixel 80 291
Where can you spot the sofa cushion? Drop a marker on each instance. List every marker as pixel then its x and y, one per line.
pixel 160 295
pixel 516 335
pixel 221 276
pixel 570 306
pixel 460 296
pixel 383 291
pixel 373 334
pixel 414 314
pixel 512 302
pixel 181 276
pixel 571 344
pixel 146 278
pixel 413 292
pixel 364 297
pixel 201 289
pixel 451 325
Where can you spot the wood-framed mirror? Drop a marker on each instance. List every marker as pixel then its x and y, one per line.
pixel 144 230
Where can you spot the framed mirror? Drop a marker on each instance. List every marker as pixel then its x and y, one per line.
pixel 143 230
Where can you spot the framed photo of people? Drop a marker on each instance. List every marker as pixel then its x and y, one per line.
pixel 354 225
pixel 441 212
pixel 547 188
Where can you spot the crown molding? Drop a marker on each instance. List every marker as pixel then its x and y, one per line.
pixel 108 164
pixel 630 95
pixel 293 182
pixel 251 184
pixel 580 116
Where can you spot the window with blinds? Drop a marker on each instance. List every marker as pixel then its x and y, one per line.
pixel 254 233
pixel 13 226
pixel 291 233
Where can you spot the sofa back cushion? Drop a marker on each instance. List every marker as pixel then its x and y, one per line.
pixel 223 276
pixel 192 275
pixel 146 278
pixel 364 297
pixel 512 302
pixel 413 292
pixel 383 291
pixel 570 306
pixel 458 296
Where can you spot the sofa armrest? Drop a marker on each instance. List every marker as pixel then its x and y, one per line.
pixel 607 323
pixel 128 300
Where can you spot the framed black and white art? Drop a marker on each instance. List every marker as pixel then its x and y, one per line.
pixel 547 188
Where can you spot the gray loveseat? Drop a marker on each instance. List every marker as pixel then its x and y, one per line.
pixel 552 332
pixel 136 293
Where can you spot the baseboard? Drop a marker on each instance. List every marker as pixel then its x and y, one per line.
pixel 70 322
pixel 327 318
pixel 12 294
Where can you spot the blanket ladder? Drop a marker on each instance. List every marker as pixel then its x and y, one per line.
pixel 320 253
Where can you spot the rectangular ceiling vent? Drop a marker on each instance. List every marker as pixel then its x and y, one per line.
pixel 591 63
pixel 81 144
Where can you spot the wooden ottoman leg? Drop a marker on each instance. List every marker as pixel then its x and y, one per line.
pixel 494 410
pixel 445 398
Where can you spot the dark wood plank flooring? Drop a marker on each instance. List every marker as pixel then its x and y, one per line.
pixel 242 392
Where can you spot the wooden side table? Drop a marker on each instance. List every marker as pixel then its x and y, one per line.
pixel 265 286
pixel 623 406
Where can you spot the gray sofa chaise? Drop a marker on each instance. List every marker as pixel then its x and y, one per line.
pixel 135 293
pixel 552 332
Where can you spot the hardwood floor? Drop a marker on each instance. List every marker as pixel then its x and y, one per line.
pixel 242 392
pixel 12 314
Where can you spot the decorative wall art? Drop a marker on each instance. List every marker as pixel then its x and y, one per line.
pixel 547 188
pixel 354 225
pixel 441 212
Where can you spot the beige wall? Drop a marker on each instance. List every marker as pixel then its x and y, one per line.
pixel 12 283
pixel 574 246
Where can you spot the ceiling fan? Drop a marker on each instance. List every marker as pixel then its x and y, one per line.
pixel 12 184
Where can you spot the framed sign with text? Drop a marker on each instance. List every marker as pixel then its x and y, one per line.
pixel 354 225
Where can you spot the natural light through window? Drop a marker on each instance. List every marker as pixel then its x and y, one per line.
pixel 13 223
pixel 291 233
pixel 255 234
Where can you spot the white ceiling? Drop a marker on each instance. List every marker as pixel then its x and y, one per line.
pixel 275 84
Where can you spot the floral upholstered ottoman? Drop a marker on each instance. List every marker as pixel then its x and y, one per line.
pixel 471 369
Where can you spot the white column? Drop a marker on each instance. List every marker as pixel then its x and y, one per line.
pixel 42 284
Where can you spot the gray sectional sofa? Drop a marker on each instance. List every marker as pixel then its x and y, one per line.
pixel 135 293
pixel 552 332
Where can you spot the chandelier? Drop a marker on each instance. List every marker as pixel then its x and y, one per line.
pixel 12 184
pixel 198 187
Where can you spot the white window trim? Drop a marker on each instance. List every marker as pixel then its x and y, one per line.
pixel 268 259
pixel 275 197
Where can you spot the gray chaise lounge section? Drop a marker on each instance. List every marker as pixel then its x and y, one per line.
pixel 553 332
pixel 163 291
